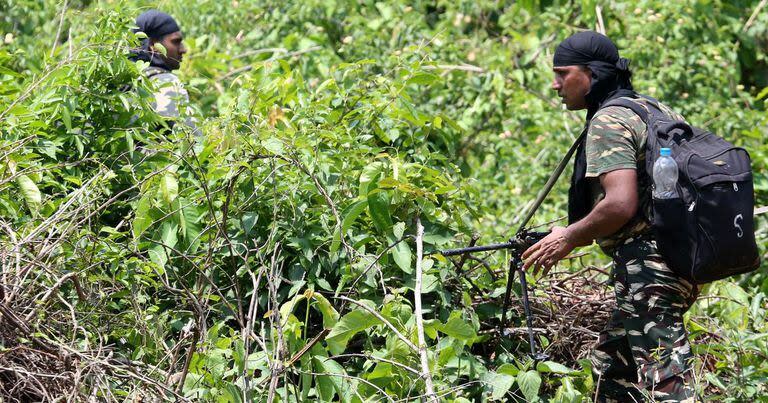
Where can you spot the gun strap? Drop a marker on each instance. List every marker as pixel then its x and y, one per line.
pixel 551 181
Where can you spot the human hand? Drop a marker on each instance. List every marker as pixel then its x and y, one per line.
pixel 548 251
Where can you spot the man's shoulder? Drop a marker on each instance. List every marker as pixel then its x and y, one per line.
pixel 162 75
pixel 616 120
pixel 615 114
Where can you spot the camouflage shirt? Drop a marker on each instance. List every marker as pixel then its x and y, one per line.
pixel 171 99
pixel 616 140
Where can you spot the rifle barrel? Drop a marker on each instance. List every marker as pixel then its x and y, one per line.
pixel 483 248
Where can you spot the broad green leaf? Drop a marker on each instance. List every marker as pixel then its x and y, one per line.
pixel 30 192
pixel 328 383
pixel 351 213
pixel 399 229
pixel 402 255
pixel 65 117
pixel 169 187
pixel 509 369
pixel 142 219
pixel 160 48
pixel 762 94
pixel 190 224
pixel 330 315
pixel 429 283
pixel 529 383
pixel 158 256
pixel 349 325
pixel 553 367
pixel 231 394
pixel 369 176
pixel 567 393
pixel 274 146
pixel 457 328
pixel 169 234
pixel 498 383
pixel 438 122
pixel 378 207
pixel 422 79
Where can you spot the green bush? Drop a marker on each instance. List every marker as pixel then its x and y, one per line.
pixel 277 257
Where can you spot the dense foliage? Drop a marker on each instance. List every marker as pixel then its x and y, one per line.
pixel 277 258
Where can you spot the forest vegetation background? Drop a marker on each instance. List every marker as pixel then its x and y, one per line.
pixel 282 256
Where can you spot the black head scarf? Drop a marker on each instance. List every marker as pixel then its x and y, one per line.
pixel 156 24
pixel 610 73
pixel 611 78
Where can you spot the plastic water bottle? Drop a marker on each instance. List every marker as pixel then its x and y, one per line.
pixel 665 176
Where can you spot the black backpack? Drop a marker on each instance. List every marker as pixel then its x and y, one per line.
pixel 708 232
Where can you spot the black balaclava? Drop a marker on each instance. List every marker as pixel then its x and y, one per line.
pixel 611 78
pixel 156 24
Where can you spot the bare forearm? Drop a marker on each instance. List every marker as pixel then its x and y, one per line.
pixel 607 217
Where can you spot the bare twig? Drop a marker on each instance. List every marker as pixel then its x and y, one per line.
pixel 461 67
pixel 58 30
pixel 754 15
pixel 600 23
pixel 425 373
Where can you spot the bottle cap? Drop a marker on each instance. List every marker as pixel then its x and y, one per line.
pixel 665 152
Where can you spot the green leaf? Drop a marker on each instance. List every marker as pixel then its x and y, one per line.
pixel 553 367
pixel 567 393
pixel 762 94
pixel 65 117
pixel 273 145
pixel 429 283
pixel 422 79
pixel 142 219
pixel 157 256
pixel 402 256
pixel 327 384
pixel 438 122
pixel 509 369
pixel 349 325
pixel 169 187
pixel 160 48
pixel 190 224
pixel 529 383
pixel 457 328
pixel 330 315
pixel 169 234
pixel 369 176
pixel 399 230
pixel 378 207
pixel 30 192
pixel 351 213
pixel 499 384
pixel 231 393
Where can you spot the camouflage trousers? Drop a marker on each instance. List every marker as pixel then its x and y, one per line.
pixel 643 354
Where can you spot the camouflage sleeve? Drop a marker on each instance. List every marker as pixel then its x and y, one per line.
pixel 172 101
pixel 613 141
pixel 170 94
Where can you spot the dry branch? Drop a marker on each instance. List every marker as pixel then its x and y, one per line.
pixel 425 373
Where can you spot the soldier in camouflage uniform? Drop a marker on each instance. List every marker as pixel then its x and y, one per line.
pixel 171 99
pixel 643 354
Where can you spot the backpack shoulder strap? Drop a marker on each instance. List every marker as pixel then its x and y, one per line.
pixel 631 105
